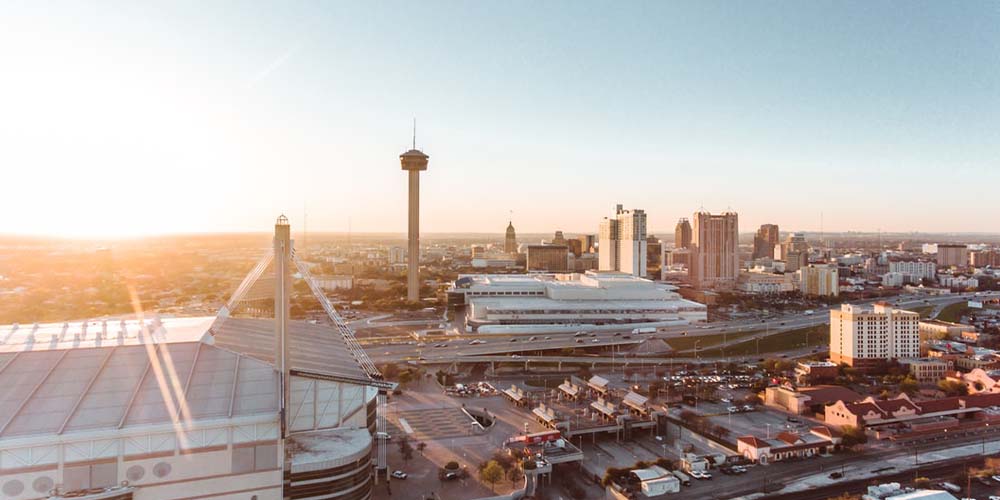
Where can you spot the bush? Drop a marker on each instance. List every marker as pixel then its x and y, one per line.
pixel 453 465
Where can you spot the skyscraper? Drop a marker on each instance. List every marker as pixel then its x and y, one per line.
pixel 414 161
pixel 622 242
pixel 715 250
pixel 682 234
pixel 795 252
pixel 764 241
pixel 607 245
pixel 510 242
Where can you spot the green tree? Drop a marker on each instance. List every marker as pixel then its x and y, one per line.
pixel 909 386
pixel 406 449
pixel 953 387
pixel 853 436
pixel 492 473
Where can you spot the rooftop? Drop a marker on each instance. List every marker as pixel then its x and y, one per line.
pixel 315 349
pixel 52 392
pixel 102 333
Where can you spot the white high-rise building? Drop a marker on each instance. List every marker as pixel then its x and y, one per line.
pixel 914 270
pixel 622 242
pixel 863 336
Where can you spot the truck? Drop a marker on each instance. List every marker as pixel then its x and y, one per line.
pixel 682 477
pixel 648 329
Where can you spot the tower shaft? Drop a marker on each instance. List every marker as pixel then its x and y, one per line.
pixel 413 262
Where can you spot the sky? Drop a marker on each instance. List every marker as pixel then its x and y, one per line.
pixel 133 118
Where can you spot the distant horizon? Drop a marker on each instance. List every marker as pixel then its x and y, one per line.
pixel 662 235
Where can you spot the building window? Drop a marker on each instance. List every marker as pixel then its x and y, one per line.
pixel 255 458
pixel 83 477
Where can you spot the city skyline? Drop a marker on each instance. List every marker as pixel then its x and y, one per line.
pixel 134 120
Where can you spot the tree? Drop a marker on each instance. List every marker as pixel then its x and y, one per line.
pixel 909 386
pixel 953 387
pixel 405 449
pixel 853 436
pixel 492 473
pixel 421 446
pixel 921 482
pixel 390 371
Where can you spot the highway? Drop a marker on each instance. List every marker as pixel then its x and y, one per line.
pixel 459 348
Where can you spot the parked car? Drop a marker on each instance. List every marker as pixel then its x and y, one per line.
pixel 953 488
pixel 398 474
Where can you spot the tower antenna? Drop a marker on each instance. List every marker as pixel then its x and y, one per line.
pixel 414 132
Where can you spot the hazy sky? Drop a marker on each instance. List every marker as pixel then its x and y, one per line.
pixel 152 117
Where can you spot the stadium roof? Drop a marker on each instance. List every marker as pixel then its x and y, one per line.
pixel 101 333
pixel 314 349
pixel 61 391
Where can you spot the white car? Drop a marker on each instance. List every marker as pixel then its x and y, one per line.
pixel 595 341
pixel 398 474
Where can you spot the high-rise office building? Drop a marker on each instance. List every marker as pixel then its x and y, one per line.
pixel 575 246
pixel 952 255
pixel 764 241
pixel 715 250
pixel 622 244
pixel 682 234
pixel 607 245
pixel 795 252
pixel 559 239
pixel 547 258
pixel 510 241
pixel 587 243
pixel 821 280
pixel 863 336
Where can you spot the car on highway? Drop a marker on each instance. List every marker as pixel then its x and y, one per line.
pixel 997 478
pixel 579 334
pixel 595 341
pixel 548 337
pixel 532 339
pixel 513 340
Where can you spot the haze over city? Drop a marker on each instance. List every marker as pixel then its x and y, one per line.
pixel 125 119
pixel 452 250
